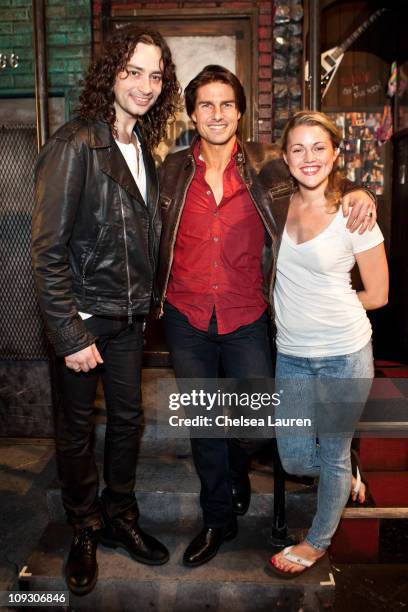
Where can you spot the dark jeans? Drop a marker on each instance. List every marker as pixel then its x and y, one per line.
pixel 243 353
pixel 121 347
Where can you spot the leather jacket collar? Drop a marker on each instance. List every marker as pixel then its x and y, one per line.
pixel 112 163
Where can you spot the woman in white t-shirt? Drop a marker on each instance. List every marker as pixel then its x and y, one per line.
pixel 323 331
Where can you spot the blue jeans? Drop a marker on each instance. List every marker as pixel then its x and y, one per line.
pixel 243 353
pixel 329 458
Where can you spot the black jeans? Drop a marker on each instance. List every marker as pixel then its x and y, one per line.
pixel 243 353
pixel 121 347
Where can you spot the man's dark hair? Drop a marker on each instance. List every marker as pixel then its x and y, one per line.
pixel 97 97
pixel 214 74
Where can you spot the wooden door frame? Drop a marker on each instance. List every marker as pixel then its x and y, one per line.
pixel 196 21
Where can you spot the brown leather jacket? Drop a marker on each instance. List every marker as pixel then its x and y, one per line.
pixel 269 185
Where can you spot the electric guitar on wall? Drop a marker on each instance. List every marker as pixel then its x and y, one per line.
pixel 330 60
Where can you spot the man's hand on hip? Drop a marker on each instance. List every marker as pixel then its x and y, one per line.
pixel 84 360
pixel 363 213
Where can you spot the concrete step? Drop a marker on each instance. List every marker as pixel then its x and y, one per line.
pixel 152 443
pixel 167 489
pixel 234 580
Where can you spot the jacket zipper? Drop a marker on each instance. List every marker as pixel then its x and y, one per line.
pixel 174 239
pixel 129 308
pixel 88 259
pixel 153 250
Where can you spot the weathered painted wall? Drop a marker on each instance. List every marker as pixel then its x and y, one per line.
pixel 69 47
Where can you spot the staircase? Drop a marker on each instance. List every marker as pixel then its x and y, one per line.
pixel 385 464
pixel 167 492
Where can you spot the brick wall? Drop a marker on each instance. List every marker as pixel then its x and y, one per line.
pixel 265 9
pixel 72 26
pixel 69 40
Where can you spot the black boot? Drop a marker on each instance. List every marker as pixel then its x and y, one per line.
pixel 127 534
pixel 206 544
pixel 81 569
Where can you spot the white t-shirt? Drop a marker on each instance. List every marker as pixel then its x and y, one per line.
pixel 134 160
pixel 318 314
pixel 137 169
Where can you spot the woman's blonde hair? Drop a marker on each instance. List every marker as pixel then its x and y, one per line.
pixel 334 189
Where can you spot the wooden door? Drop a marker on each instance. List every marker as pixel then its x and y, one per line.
pixel 198 37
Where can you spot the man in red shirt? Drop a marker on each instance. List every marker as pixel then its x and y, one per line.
pixel 224 207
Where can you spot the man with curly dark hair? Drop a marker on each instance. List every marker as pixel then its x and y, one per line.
pixel 96 228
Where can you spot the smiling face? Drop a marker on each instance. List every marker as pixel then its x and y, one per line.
pixel 215 113
pixel 310 155
pixel 138 87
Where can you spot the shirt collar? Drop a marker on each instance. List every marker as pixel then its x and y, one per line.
pixel 201 163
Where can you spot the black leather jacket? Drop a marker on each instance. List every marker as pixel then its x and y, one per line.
pixel 95 241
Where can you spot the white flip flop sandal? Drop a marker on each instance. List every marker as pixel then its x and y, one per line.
pixel 356 488
pixel 287 574
pixel 360 478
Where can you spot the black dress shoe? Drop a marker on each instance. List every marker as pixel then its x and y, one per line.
pixel 81 568
pixel 206 544
pixel 141 546
pixel 241 494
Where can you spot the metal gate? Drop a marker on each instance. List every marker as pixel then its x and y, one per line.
pixel 21 328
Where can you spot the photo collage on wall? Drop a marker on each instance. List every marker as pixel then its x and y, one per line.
pixel 361 155
pixel 287 61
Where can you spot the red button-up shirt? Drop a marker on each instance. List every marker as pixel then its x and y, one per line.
pixel 217 255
